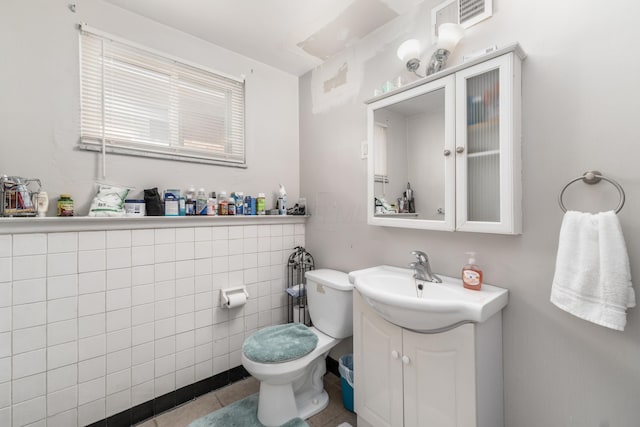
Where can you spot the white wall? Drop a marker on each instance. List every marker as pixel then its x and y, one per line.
pixel 39 107
pixel 580 108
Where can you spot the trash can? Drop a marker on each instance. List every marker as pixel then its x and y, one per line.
pixel 346 379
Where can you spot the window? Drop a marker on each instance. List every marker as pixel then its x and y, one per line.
pixel 138 102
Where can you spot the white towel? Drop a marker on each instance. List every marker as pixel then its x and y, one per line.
pixel 592 279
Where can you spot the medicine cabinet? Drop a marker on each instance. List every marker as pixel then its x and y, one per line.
pixel 444 151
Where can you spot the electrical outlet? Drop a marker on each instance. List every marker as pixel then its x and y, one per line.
pixel 364 149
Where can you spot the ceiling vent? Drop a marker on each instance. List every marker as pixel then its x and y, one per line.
pixel 463 12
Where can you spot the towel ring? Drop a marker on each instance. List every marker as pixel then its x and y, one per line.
pixel 594 177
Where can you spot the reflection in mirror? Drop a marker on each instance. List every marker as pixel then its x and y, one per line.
pixel 409 168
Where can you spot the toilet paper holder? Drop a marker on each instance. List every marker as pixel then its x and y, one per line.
pixel 226 295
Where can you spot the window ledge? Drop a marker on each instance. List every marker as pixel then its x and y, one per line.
pixel 17 225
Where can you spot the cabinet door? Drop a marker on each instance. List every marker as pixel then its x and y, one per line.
pixel 487 147
pixel 377 347
pixel 439 378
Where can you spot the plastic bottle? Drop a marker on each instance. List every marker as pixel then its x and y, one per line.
pixel 182 207
pixel 201 202
pixel 239 199
pixel 282 201
pixel 191 201
pixel 471 274
pixel 231 206
pixel 260 204
pixel 212 204
pixel 223 205
pixel 65 205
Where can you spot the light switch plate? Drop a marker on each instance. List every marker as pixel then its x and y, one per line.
pixel 364 149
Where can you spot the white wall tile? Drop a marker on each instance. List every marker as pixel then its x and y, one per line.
pixel 164 384
pixel 250 260
pixel 203 370
pixel 28 388
pixel 220 264
pixel 6 294
pixel 62 264
pixel 203 300
pixel 119 360
pixel 185 251
pixel 165 252
pixel 91 347
pixel 203 249
pixel 220 247
pixel 118 258
pixel 184 304
pixel 118 340
pixel 91 240
pixel 185 341
pixel 165 365
pixel 264 244
pixel 29 411
pixel 204 335
pixel 62 286
pixel 165 271
pixel 118 319
pixel 29 291
pixel 6 243
pixel 90 282
pixel 119 278
pixel 91 369
pixel 220 281
pixel 5 394
pixel 264 230
pixel 118 299
pixel 165 290
pixel 143 294
pixel 142 314
pixel 118 381
pixel 63 377
pixel 142 353
pixel 94 260
pixel 202 267
pixel 220 364
pixel 165 309
pixel 118 239
pixel 27 315
pixel 250 231
pixel 142 255
pixel 91 390
pixel 91 412
pixel 91 304
pixel 5 319
pixel 236 246
pixel 64 419
pixel 165 328
pixel 185 269
pixel 203 318
pixel 165 346
pixel 29 339
pixel 142 237
pixel 203 352
pixel 236 278
pixel 184 359
pixel 89 326
pixel 250 245
pixel 236 232
pixel 142 373
pixel 165 235
pixel 185 286
pixel 235 262
pixel 185 322
pixel 62 355
pixel 31 363
pixel 118 402
pixel 202 234
pixel 62 242
pixel 5 344
pixel 220 233
pixel 142 275
pixel 62 309
pixel 185 376
pixel 5 369
pixel 142 393
pixel 185 235
pixel 288 229
pixel 29 244
pixel 62 400
pixel 29 267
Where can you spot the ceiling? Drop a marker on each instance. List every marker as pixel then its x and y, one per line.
pixel 292 35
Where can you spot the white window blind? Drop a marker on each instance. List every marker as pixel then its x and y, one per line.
pixel 138 102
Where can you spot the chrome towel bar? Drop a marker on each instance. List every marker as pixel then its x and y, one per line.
pixel 593 177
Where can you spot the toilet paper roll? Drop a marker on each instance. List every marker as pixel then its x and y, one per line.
pixel 237 299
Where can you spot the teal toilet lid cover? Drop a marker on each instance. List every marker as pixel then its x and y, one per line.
pixel 280 343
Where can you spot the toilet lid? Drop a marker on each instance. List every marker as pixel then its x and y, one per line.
pixel 280 343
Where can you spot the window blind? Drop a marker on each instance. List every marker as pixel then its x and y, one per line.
pixel 138 102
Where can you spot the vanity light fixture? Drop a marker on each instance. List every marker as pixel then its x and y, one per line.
pixel 448 37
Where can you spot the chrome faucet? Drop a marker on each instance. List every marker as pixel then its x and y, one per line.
pixel 423 268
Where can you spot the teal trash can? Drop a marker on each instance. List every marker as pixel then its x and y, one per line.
pixel 346 379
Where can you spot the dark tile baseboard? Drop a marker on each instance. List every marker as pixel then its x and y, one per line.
pixel 170 400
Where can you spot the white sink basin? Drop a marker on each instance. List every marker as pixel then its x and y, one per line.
pixel 392 292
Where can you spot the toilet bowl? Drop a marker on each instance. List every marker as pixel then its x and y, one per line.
pixel 294 388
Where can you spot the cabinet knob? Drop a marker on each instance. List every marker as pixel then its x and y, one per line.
pixel 406 360
pixel 447 153
pixel 395 354
pixel 459 149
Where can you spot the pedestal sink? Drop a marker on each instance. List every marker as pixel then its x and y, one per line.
pixel 395 295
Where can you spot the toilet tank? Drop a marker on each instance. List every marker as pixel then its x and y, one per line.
pixel 330 302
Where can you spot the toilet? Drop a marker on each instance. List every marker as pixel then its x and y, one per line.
pixel 289 360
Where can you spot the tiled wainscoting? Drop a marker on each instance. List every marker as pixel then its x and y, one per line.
pixel 93 323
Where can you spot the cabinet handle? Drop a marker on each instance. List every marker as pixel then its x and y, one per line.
pixel 406 360
pixel 447 153
pixel 459 149
pixel 395 354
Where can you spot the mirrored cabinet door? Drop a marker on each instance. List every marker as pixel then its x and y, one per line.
pixel 411 180
pixel 487 199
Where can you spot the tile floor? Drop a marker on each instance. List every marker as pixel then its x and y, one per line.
pixel 331 416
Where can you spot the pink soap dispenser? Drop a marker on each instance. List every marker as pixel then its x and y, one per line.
pixel 471 274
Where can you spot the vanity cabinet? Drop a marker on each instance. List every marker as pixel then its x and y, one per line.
pixel 455 138
pixel 446 379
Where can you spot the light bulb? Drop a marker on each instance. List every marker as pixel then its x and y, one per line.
pixel 449 35
pixel 408 50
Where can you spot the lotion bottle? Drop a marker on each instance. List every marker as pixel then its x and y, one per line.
pixel 471 274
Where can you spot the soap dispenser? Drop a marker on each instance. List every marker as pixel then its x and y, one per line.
pixel 471 274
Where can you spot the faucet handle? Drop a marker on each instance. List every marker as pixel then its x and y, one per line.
pixel 422 257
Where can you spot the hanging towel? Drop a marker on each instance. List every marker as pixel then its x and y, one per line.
pixel 592 279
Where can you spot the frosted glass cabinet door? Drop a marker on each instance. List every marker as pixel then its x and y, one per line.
pixel 487 157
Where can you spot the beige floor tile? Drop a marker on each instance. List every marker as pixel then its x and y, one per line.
pixel 239 390
pixel 335 413
pixel 183 415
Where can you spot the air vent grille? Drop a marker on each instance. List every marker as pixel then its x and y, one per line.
pixel 464 12
pixel 470 9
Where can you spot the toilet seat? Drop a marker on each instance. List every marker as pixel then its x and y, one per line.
pixel 280 343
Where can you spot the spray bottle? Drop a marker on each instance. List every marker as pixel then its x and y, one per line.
pixel 282 201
